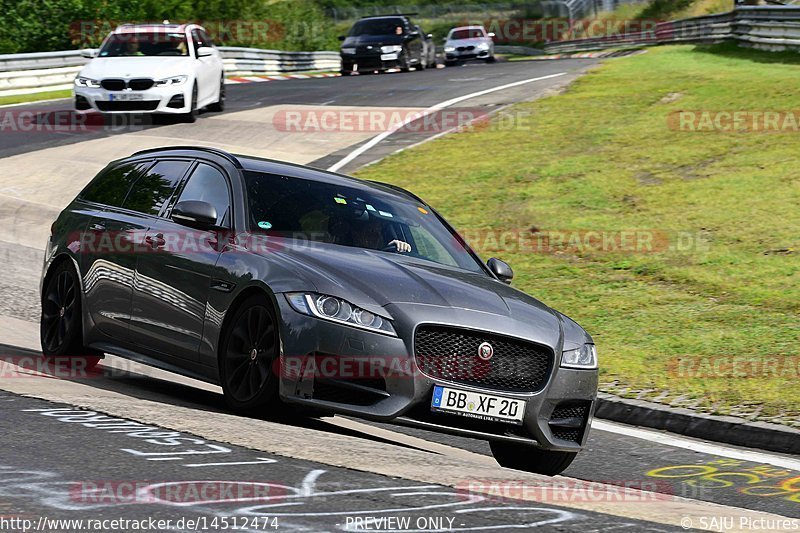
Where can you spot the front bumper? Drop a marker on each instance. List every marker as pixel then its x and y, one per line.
pixel 371 62
pixel 467 55
pixel 175 99
pixel 398 392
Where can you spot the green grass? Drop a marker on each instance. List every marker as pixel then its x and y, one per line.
pixel 601 157
pixel 35 97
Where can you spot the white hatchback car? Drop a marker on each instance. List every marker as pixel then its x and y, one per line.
pixel 153 68
pixel 468 42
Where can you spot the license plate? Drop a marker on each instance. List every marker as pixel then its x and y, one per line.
pixel 388 57
pixel 125 97
pixel 477 405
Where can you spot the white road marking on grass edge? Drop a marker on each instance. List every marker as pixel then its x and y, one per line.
pixel 447 103
pixel 696 445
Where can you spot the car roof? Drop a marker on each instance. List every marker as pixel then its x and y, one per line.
pixel 283 168
pixel 379 17
pixel 148 28
pixel 468 28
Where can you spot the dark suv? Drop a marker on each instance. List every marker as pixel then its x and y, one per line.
pixel 386 42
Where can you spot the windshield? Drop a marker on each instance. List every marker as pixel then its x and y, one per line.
pixel 145 44
pixel 312 211
pixel 390 26
pixel 470 33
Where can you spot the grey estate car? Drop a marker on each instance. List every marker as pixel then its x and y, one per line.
pixel 288 286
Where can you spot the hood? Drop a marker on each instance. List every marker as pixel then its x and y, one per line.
pixel 371 278
pixel 137 67
pixel 374 40
pixel 467 42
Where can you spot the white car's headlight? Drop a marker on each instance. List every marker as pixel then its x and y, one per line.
pixel 449 48
pixel 483 46
pixel 391 48
pixel 175 80
pixel 348 50
pixel 338 310
pixel 80 81
pixel 584 357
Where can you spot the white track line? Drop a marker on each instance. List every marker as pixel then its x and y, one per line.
pixel 378 138
pixel 687 443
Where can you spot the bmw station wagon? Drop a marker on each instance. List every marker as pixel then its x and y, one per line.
pixel 293 287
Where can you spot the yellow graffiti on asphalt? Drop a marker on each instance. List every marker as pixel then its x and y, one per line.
pixel 760 480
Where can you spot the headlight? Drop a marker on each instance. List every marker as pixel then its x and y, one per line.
pixel 584 357
pixel 348 50
pixel 449 48
pixel 338 310
pixel 175 80
pixel 391 48
pixel 86 82
pixel 483 46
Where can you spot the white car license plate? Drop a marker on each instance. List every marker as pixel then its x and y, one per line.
pixel 388 57
pixel 125 97
pixel 477 405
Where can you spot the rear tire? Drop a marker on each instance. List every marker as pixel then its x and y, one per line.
pixel 530 458
pixel 247 356
pixel 61 323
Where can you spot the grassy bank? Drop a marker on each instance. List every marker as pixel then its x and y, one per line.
pixel 723 277
pixel 35 97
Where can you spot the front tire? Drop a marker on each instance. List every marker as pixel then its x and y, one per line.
pixel 219 105
pixel 61 324
pixel 247 354
pixel 530 458
pixel 191 116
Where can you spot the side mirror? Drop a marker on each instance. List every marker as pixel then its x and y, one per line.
pixel 89 53
pixel 500 269
pixel 194 213
pixel 205 51
pixel 492 35
pixel 342 37
pixel 429 36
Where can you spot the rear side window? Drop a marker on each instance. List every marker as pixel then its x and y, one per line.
pixel 208 184
pixel 155 187
pixel 112 185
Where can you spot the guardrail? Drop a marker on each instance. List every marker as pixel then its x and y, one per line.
pixel 53 71
pixel 773 28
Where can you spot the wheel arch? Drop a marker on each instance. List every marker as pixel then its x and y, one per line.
pixel 255 289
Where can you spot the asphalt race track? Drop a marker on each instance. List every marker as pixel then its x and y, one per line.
pixel 328 474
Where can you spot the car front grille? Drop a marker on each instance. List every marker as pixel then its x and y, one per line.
pixel 137 84
pixel 140 84
pixel 448 353
pixel 136 105
pixel 112 84
pixel 465 48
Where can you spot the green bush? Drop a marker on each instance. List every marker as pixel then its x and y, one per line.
pixel 46 25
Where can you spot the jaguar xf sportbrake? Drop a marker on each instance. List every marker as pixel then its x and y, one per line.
pixel 297 288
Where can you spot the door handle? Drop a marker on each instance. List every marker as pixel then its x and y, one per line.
pixel 155 241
